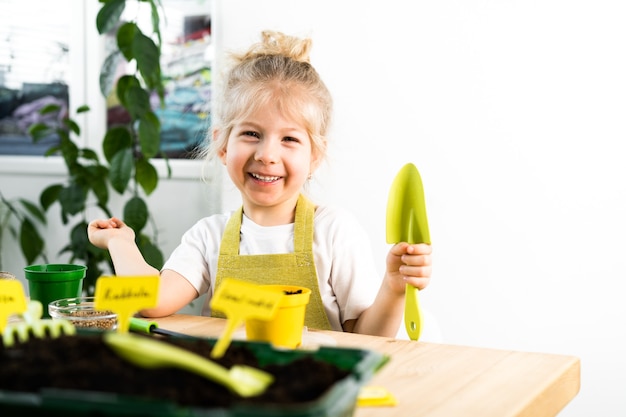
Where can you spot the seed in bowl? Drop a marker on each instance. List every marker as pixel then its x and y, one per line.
pixel 96 323
pixel 81 313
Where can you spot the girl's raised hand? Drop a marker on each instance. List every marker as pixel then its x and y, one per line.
pixel 101 231
pixel 409 264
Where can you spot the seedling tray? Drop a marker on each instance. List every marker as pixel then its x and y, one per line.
pixel 338 400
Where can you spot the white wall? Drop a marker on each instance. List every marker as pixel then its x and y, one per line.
pixel 514 112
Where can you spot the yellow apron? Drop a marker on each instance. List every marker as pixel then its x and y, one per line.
pixel 297 268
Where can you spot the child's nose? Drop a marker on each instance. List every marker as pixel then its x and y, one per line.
pixel 267 152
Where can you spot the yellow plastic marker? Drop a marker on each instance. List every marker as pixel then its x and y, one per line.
pixel 12 300
pixel 239 301
pixel 125 296
pixel 371 396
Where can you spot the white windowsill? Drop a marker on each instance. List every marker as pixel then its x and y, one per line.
pixel 54 166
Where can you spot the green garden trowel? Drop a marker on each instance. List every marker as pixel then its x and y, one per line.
pixel 407 222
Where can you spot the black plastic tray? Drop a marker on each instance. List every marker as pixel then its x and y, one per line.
pixel 338 401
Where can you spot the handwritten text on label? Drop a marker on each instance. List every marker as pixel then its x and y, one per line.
pixel 126 296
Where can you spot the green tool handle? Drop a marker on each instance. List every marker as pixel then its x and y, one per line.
pixel 413 319
pixel 141 326
pixel 138 325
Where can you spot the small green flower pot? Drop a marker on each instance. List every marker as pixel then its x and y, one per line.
pixel 51 282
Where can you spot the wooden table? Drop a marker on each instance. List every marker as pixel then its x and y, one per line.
pixel 431 379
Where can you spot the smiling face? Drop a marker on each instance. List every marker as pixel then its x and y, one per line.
pixel 269 157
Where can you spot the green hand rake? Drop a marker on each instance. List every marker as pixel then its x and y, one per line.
pixel 35 326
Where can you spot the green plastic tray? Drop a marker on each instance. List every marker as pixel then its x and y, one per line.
pixel 338 401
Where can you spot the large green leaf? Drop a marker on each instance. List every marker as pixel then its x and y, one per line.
pixel 69 150
pixel 146 175
pixel 137 102
pixel 49 108
pixel 79 240
pixel 149 134
pixel 151 253
pixel 52 150
pixel 109 15
pixel 33 210
pixel 125 83
pixel 30 241
pixel 38 131
pixel 101 191
pixel 136 213
pixel 97 182
pixel 81 176
pixel 116 139
pixel 89 154
pixel 108 72
pixel 121 169
pixel 72 125
pixel 50 195
pixel 73 198
pixel 156 20
pixel 146 53
pixel 94 258
pixel 125 38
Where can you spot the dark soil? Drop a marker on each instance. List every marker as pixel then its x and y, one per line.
pixel 86 363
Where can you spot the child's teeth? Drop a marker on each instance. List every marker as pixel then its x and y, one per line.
pixel 263 178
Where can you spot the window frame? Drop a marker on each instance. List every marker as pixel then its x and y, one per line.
pixel 86 53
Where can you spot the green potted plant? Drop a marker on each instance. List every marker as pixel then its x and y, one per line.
pixel 128 148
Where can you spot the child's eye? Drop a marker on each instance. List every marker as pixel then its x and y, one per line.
pixel 251 133
pixel 291 139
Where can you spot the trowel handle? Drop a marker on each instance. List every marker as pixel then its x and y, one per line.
pixel 412 312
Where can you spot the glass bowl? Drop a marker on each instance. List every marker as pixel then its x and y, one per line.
pixel 80 311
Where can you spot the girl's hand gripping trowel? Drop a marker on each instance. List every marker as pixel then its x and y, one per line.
pixel 407 222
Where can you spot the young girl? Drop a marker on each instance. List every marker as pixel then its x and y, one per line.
pixel 270 133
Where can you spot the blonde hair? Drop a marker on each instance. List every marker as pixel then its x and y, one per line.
pixel 275 70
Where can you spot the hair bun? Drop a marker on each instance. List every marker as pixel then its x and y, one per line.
pixel 277 43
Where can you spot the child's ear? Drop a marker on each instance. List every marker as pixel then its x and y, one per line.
pixel 222 155
pixel 315 163
pixel 316 160
pixel 222 152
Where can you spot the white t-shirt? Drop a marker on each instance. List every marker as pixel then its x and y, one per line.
pixel 348 280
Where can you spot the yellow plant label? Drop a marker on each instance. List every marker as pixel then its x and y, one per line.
pixel 240 301
pixel 238 298
pixel 12 300
pixel 374 396
pixel 125 296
